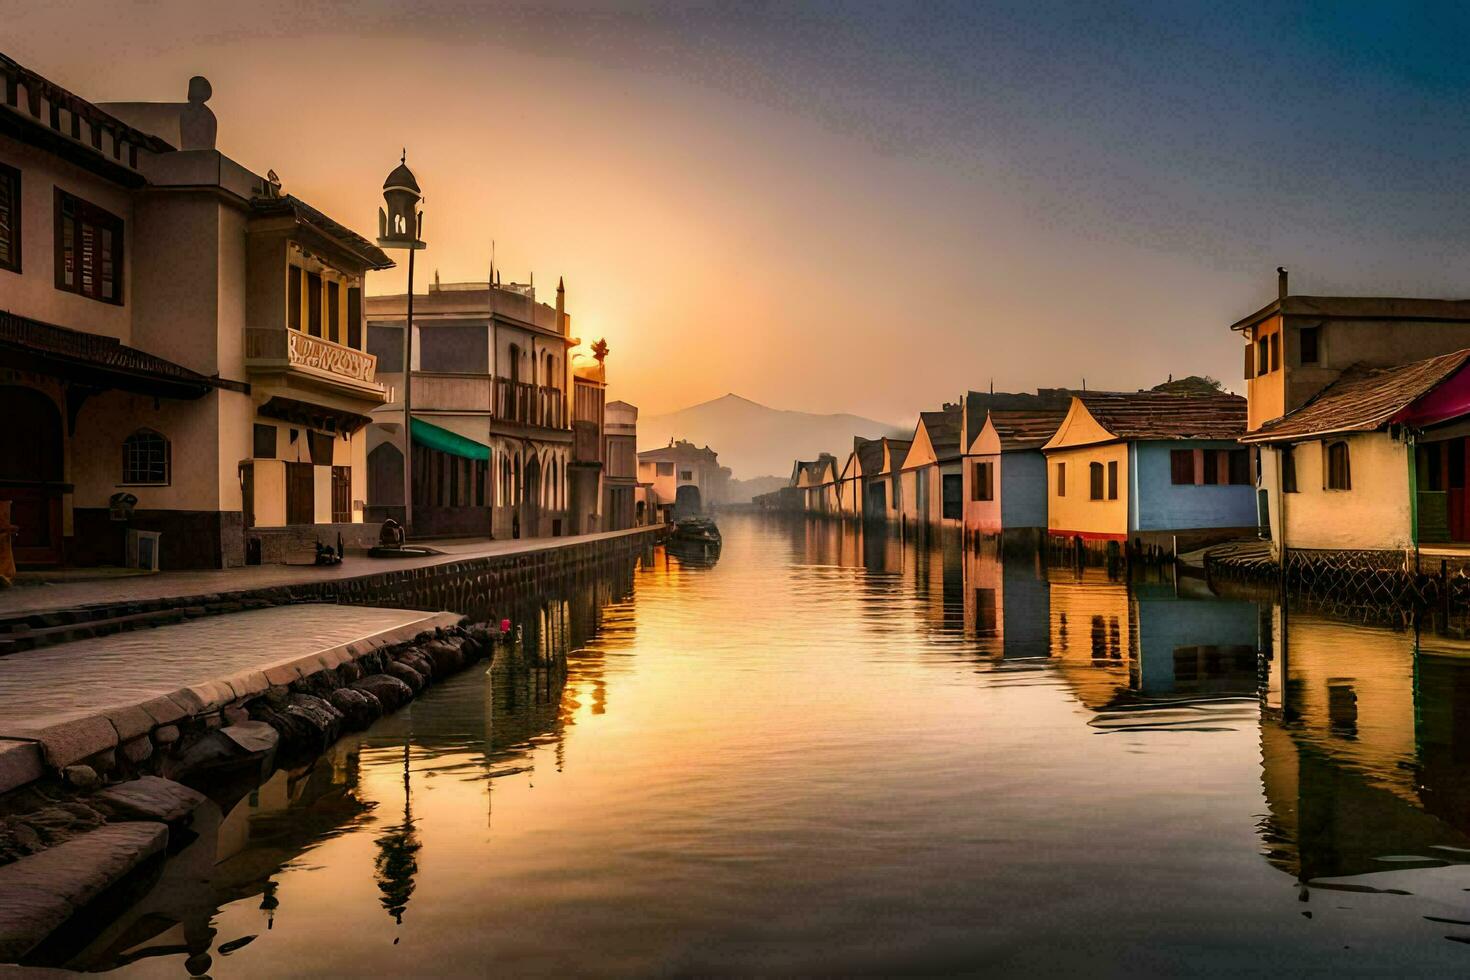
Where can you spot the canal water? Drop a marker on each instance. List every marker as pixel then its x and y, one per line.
pixel 826 753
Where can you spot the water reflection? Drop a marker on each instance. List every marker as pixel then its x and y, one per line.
pixel 838 750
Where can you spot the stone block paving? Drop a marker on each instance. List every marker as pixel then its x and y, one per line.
pixel 82 677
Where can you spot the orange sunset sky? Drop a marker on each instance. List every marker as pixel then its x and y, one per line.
pixel 860 207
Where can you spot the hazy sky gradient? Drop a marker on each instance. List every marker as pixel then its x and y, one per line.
pixel 848 207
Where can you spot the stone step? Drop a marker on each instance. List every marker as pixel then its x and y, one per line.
pixel 148 798
pixel 39 893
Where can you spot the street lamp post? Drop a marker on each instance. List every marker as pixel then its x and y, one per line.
pixel 401 225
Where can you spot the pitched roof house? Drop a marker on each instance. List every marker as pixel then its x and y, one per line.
pixel 1375 461
pixel 931 482
pixel 1150 468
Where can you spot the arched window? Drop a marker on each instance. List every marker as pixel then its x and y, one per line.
pixel 1339 471
pixel 145 458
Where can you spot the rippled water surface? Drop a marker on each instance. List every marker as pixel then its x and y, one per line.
pixel 838 755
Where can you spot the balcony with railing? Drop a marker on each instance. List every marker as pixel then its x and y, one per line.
pixel 313 358
pixel 526 404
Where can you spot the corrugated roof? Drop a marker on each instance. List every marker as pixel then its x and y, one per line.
pixel 1026 429
pixel 1363 399
pixel 1162 415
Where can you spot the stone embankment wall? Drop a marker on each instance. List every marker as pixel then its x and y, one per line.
pixel 90 822
pixel 473 586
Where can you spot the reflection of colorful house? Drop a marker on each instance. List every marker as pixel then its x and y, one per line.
pixel 931 475
pixel 1119 644
pixel 1004 485
pixel 1149 469
pixel 1363 751
pixel 1007 605
pixel 1375 461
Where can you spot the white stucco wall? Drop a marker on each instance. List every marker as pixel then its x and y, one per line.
pixel 33 292
pixel 1374 515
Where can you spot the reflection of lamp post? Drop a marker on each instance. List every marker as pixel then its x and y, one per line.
pixel 400 227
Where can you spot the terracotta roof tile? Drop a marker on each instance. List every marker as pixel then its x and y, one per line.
pixel 1363 399
pixel 1026 429
pixel 1162 415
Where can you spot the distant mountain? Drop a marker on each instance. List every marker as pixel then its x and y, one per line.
pixel 754 440
pixel 744 491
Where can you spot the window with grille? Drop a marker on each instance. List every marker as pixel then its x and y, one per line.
pixel 89 250
pixel 145 458
pixel 9 218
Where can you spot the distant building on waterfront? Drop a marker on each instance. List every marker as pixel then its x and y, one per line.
pixel 621 497
pixel 184 375
pixel 1150 469
pixel 882 481
pixel 817 481
pixel 492 427
pixel 1005 486
pixel 1344 392
pixel 932 477
pixel 681 464
pixel 585 470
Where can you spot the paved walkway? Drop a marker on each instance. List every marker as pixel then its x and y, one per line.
pixel 70 595
pixel 130 668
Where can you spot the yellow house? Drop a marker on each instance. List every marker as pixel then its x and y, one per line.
pixel 1150 468
pixel 1374 462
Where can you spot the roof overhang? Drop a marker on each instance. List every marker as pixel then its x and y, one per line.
pixel 97 361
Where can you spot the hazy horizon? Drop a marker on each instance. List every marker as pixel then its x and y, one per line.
pixel 863 208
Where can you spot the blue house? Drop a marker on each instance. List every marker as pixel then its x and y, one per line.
pixel 1150 469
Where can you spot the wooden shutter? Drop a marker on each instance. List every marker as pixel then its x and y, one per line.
pixel 1181 466
pixel 9 218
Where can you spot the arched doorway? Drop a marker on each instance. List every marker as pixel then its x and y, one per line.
pixel 531 498
pixel 31 472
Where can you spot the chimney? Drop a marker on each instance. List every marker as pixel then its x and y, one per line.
pixel 1281 290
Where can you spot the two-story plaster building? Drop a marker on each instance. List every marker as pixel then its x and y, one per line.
pixel 492 432
pixel 183 374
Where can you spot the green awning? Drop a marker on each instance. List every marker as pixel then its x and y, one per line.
pixel 428 434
